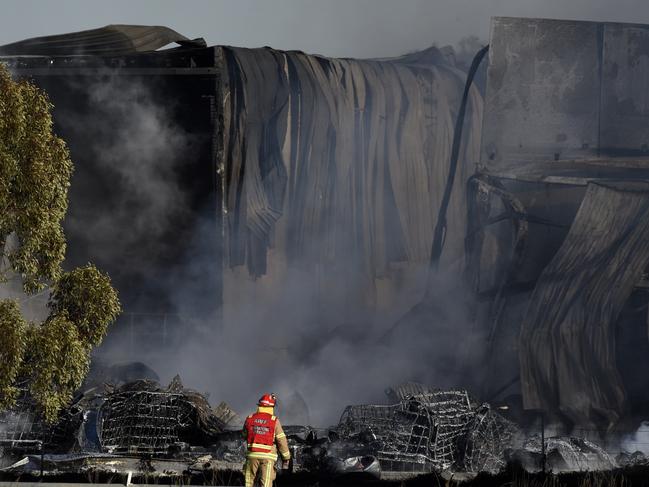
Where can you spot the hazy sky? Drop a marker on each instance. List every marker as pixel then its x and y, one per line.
pixel 357 28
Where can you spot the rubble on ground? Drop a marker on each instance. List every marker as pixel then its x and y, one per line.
pixel 562 454
pixel 143 417
pixel 635 459
pixel 427 431
pixel 156 431
pixel 136 417
pixel 489 437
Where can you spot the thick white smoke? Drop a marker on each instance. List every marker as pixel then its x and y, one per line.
pixel 638 441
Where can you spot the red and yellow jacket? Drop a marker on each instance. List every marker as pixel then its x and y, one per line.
pixel 265 436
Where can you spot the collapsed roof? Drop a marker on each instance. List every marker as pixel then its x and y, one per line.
pixel 111 40
pixel 371 138
pixel 342 161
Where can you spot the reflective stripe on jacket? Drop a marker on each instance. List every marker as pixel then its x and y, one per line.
pixel 265 436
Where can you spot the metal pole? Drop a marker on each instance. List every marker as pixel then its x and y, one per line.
pixel 543 456
pixel 42 459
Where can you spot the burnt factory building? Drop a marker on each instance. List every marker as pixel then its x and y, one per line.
pixel 210 178
pixel 224 186
pixel 557 235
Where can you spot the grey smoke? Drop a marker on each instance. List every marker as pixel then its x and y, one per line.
pixel 279 334
pixel 638 441
pixel 134 140
pixel 330 364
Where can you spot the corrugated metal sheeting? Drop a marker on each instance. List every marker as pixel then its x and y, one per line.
pixel 351 155
pixel 560 89
pixel 567 341
pixel 111 40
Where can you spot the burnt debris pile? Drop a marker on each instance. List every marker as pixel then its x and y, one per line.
pixel 143 417
pixel 564 454
pixel 488 440
pixel 431 431
pixel 18 430
pixel 143 427
pixel 419 431
pixel 139 417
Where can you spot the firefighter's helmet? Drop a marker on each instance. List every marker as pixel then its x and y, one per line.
pixel 268 400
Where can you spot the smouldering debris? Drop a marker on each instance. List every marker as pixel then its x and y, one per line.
pixel 431 430
pixel 563 454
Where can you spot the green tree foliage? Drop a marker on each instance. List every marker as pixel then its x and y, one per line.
pixel 86 297
pixel 13 340
pixel 48 360
pixel 56 363
pixel 35 170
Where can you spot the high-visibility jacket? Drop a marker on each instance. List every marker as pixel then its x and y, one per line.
pixel 265 436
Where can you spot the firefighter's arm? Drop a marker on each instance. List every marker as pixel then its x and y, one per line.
pixel 282 442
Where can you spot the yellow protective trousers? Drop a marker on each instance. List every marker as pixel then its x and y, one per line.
pixel 258 468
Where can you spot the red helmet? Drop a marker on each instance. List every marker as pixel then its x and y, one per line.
pixel 267 400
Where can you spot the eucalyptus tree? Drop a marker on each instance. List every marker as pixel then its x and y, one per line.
pixel 42 361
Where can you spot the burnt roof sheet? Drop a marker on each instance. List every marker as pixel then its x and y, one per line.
pixel 109 40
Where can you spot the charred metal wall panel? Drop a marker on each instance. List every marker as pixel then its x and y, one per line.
pixel 624 128
pixel 542 91
pixel 561 89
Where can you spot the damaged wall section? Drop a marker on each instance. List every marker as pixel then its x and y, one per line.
pixel 567 338
pixel 337 167
pixel 290 170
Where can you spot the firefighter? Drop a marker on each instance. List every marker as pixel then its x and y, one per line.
pixel 265 437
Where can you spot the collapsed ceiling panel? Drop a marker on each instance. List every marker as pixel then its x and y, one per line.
pixel 111 40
